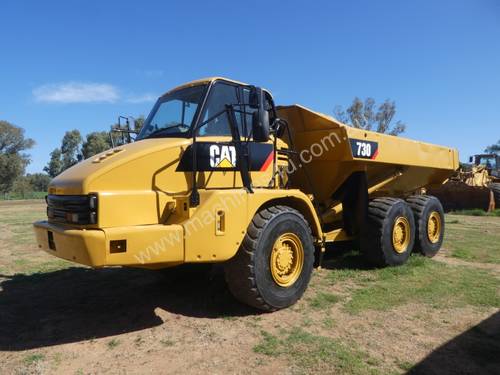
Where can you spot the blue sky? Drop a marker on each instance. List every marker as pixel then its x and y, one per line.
pixel 79 64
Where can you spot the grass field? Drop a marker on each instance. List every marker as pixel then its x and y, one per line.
pixel 428 316
pixel 27 195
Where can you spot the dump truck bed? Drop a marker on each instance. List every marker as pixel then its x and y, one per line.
pixel 336 151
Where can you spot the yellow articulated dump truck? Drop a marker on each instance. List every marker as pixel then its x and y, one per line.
pixel 219 173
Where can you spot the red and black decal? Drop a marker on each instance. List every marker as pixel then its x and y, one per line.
pixel 221 156
pixel 364 149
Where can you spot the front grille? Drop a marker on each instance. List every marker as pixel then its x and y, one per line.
pixel 72 209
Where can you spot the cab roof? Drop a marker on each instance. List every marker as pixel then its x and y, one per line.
pixel 204 81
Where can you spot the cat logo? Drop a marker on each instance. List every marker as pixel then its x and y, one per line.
pixel 222 156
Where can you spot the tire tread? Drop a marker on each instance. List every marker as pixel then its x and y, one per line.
pixel 418 204
pixel 240 271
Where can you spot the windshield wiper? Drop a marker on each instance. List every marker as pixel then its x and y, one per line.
pixel 158 131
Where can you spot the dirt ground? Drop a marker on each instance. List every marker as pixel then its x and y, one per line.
pixel 438 316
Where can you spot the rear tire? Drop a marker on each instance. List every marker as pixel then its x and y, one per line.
pixel 389 233
pixel 495 187
pixel 429 220
pixel 273 265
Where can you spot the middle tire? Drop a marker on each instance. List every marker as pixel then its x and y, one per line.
pixel 389 233
pixel 273 265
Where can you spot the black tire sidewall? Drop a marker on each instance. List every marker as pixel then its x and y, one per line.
pixel 272 293
pixel 392 257
pixel 426 247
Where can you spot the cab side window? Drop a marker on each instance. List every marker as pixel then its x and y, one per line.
pixel 247 114
pixel 220 95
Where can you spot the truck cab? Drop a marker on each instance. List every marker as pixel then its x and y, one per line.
pixel 157 201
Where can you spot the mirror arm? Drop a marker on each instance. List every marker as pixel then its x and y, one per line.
pixel 194 198
pixel 241 150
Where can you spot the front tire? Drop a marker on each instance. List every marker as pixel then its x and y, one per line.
pixel 273 266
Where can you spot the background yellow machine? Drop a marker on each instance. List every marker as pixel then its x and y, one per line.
pixel 218 173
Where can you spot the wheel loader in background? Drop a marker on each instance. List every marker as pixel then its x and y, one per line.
pixel 476 185
pixel 219 173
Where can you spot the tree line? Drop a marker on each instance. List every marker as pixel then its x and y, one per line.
pixel 14 157
pixel 368 116
pixel 493 149
pixel 13 161
pixel 74 147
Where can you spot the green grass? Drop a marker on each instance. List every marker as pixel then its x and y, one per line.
pixel 15 218
pixel 167 342
pixel 323 300
pixel 405 365
pixel 19 196
pixel 16 231
pixel 473 240
pixel 113 343
pixel 57 359
pixel 328 323
pixel 313 353
pixel 30 267
pixel 31 359
pixel 423 280
pixel 476 212
pixel 270 345
pixel 19 224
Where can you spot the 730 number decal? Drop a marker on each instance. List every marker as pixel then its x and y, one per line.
pixel 364 149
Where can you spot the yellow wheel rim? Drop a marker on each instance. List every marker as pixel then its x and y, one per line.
pixel 287 259
pixel 434 227
pixel 401 234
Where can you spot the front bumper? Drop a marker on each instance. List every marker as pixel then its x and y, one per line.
pixel 145 245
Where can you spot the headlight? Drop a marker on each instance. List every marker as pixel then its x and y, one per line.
pixel 93 208
pixel 93 202
pixel 72 217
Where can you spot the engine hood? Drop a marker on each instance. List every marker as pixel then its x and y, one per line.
pixel 144 165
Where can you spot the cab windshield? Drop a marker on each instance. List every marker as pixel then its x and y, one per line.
pixel 173 114
pixel 488 161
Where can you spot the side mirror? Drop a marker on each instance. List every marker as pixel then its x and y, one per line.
pixel 260 118
pixel 471 159
pixel 260 126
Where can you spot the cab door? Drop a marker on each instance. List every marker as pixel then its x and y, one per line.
pixel 216 153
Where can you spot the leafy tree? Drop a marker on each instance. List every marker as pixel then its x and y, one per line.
pixel 70 148
pixel 39 181
pixel 12 159
pixel 74 147
pixel 95 143
pixel 121 138
pixel 66 156
pixel 22 186
pixel 365 115
pixel 55 165
pixel 11 167
pixel 139 122
pixel 493 149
